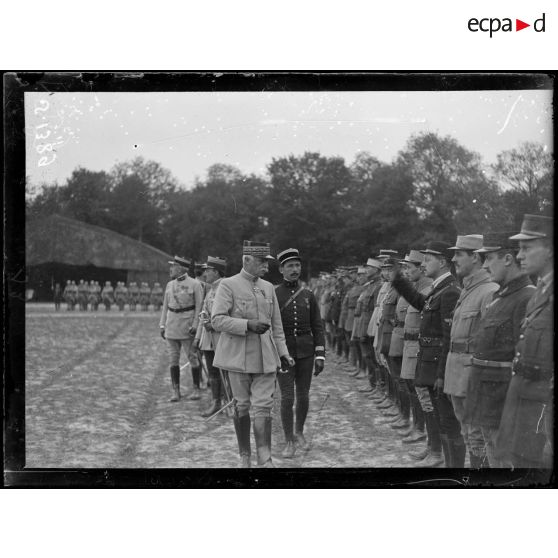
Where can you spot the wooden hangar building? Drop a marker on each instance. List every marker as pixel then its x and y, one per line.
pixel 59 248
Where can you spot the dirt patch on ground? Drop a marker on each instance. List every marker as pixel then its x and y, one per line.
pixel 97 390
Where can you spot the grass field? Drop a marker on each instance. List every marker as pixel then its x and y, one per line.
pixel 97 389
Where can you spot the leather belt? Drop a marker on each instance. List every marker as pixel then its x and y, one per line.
pixel 460 347
pixel 532 372
pixel 491 363
pixel 295 332
pixel 410 336
pixel 430 341
pixel 179 310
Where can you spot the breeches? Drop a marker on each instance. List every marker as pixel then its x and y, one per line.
pixel 253 390
pixel 174 348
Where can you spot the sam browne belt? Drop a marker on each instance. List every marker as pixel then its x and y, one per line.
pixel 179 310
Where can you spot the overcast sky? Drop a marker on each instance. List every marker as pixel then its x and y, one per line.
pixel 188 132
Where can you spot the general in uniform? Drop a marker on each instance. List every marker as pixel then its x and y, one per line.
pixel 304 335
pixel 182 304
pixel 251 347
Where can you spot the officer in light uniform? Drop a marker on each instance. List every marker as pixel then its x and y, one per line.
pixel 182 304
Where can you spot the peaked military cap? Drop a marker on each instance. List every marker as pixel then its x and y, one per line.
pixel 220 264
pixel 288 254
pixel 414 256
pixel 182 262
pixel 468 242
pixel 389 262
pixel 438 248
pixel 371 262
pixel 497 241
pixel 535 226
pixel 387 254
pixel 257 249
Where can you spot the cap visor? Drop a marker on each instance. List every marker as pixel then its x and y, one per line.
pixel 523 236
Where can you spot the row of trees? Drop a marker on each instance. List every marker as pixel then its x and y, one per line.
pixel 333 212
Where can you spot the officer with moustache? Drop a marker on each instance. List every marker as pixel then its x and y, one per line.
pixel 304 335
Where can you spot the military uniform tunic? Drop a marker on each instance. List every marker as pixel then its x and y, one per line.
pixel 372 329
pixel 365 306
pixel 411 330
pixel 352 297
pixel 181 307
pixel 494 342
pixel 527 419
pixel 397 341
pixel 471 306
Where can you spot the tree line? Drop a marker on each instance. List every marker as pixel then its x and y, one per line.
pixel 333 212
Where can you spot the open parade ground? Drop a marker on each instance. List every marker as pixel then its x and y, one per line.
pixel 97 396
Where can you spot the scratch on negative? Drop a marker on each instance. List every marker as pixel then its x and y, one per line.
pixel 509 115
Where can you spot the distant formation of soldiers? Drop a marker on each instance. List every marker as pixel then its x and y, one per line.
pixel 89 295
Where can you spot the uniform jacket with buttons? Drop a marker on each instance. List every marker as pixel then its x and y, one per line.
pixel 386 320
pixel 352 297
pixel 471 306
pixel 336 300
pixel 396 342
pixel 344 307
pixel 302 325
pixel 412 327
pixel 208 339
pixel 182 292
pixel 495 339
pixel 365 306
pixel 238 299
pixel 435 324
pixel 372 329
pixel 528 418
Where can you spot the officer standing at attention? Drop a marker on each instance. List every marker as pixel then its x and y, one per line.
pixel 179 321
pixel 304 335
pixel 471 305
pixel 526 428
pixel 82 294
pixel 251 347
pixel 133 293
pixel 107 294
pixel 495 340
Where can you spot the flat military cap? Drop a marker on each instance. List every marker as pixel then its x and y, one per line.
pixel 438 248
pixel 288 254
pixel 387 254
pixel 414 257
pixel 371 262
pixel 198 265
pixel 257 249
pixel 468 242
pixel 497 241
pixel 220 264
pixel 389 262
pixel 182 262
pixel 535 226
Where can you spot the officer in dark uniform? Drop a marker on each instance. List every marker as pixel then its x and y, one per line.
pixel 304 335
pixel 494 342
pixel 434 340
pixel 526 430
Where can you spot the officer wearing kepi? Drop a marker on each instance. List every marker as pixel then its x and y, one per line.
pixel 305 339
pixel 526 428
pixel 182 304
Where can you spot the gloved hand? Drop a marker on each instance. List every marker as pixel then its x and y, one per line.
pixel 163 333
pixel 257 327
pixel 192 330
pixel 318 366
pixel 286 363
pixel 195 344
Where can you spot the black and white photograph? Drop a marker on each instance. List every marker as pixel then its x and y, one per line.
pixel 291 271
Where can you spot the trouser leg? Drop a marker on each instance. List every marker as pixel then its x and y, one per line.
pixel 286 387
pixel 471 435
pixel 303 380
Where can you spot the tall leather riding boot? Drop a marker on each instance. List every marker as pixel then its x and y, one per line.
pixel 262 434
pixel 447 448
pixel 287 419
pixel 215 383
pixel 242 429
pixel 476 461
pixel 175 380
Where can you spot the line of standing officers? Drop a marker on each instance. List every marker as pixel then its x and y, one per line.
pixel 456 343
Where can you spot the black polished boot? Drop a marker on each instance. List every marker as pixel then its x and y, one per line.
pixel 212 409
pixel 262 434
pixel 447 449
pixel 242 429
pixel 458 451
pixel 175 379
